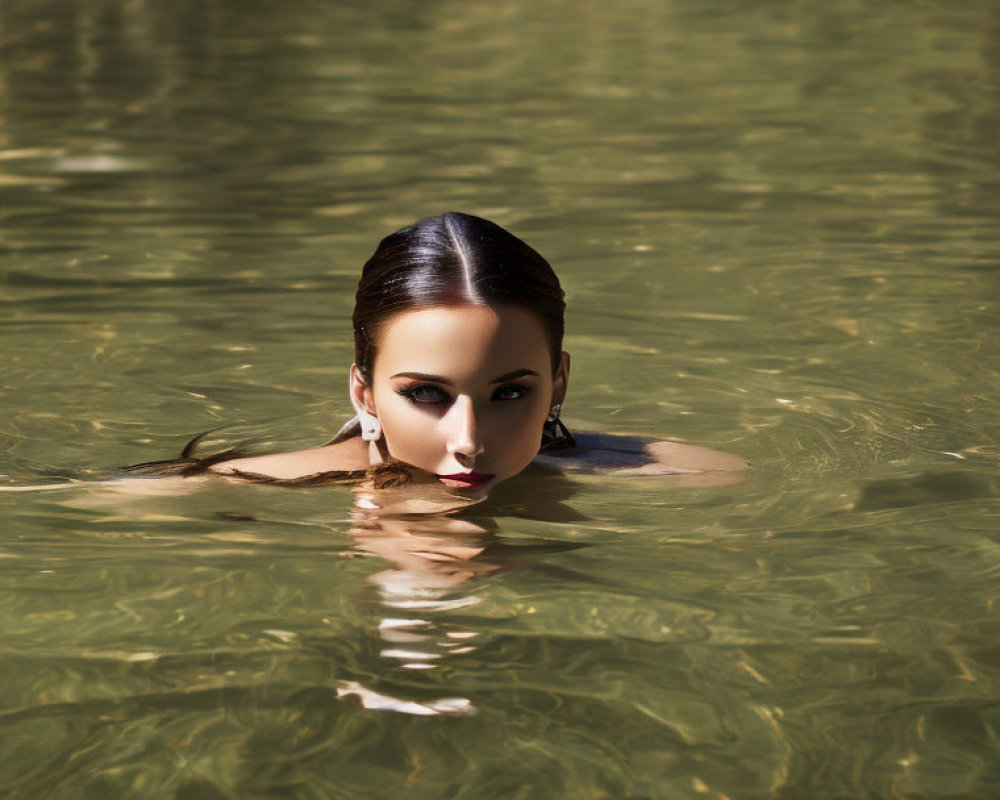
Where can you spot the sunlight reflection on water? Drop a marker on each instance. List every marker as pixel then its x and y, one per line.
pixel 777 228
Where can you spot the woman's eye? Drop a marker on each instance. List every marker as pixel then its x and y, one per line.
pixel 425 395
pixel 510 392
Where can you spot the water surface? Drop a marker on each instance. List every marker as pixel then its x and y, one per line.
pixel 777 227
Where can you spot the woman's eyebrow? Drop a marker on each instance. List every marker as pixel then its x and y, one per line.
pixel 423 376
pixel 511 376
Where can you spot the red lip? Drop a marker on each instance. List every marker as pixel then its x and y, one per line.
pixel 465 479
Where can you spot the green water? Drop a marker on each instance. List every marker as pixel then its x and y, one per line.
pixel 777 224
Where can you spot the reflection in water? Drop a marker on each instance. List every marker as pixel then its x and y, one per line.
pixel 777 226
pixel 436 562
pixel 380 702
pixel 432 556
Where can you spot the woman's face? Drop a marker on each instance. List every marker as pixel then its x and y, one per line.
pixel 462 391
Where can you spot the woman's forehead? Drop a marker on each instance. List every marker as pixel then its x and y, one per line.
pixel 462 339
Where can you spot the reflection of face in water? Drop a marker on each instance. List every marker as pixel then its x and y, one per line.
pixel 435 558
pixel 436 562
pixel 415 528
pixel 430 556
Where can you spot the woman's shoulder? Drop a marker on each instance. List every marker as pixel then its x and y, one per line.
pixel 348 456
pixel 632 455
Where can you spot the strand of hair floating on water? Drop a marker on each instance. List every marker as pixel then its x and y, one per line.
pixel 187 464
pixel 387 475
pixel 348 430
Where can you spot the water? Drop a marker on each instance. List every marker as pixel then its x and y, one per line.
pixel 777 225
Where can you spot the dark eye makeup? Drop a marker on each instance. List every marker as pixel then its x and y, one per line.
pixel 427 394
pixel 510 391
pixel 424 394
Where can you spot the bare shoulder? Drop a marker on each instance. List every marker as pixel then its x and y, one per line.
pixel 628 455
pixel 348 455
pixel 693 457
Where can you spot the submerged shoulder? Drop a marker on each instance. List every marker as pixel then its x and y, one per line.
pixel 349 455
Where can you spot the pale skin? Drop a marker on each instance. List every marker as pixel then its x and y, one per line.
pixel 461 393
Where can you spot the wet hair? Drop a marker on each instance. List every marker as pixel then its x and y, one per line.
pixel 454 259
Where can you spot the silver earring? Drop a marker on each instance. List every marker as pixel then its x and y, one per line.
pixel 555 435
pixel 371 428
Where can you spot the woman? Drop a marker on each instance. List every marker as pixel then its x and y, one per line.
pixel 459 376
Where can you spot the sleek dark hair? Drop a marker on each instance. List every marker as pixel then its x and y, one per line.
pixel 453 259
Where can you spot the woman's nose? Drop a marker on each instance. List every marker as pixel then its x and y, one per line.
pixel 463 433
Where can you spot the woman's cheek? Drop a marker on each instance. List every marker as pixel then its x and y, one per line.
pixel 418 448
pixel 409 434
pixel 521 448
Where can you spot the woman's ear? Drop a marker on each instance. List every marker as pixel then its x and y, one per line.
pixel 364 404
pixel 361 392
pixel 560 382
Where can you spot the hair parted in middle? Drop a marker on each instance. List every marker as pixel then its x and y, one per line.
pixel 454 259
